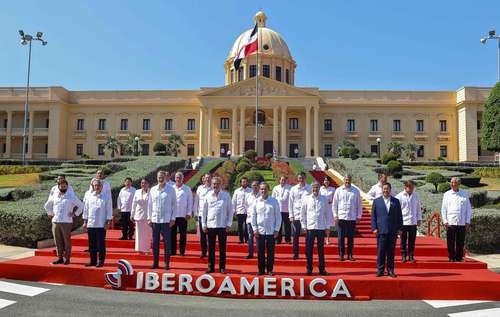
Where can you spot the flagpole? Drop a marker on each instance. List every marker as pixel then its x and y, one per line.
pixel 257 95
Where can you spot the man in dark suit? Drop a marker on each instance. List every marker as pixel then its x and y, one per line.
pixel 387 221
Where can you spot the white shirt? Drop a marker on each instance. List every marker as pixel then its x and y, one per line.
pixel 376 191
pixel 239 200
pixel 217 211
pixel 124 200
pixel 456 209
pixel 250 201
pixel 328 192
pixel 297 193
pixel 61 207
pixel 282 195
pixel 347 204
pixel 97 210
pixel 184 200
pixel 315 213
pixel 266 216
pixel 106 188
pixel 162 204
pixel 140 205
pixel 387 202
pixel 199 198
pixel 55 190
pixel 410 208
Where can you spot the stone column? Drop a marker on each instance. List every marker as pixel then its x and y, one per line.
pixel 283 131
pixel 242 130
pixel 308 131
pixel 201 147
pixel 234 134
pixel 29 153
pixel 209 132
pixel 8 135
pixel 316 131
pixel 275 129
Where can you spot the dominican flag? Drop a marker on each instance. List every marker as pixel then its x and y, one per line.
pixel 249 44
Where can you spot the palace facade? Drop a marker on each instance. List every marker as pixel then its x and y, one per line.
pixel 67 124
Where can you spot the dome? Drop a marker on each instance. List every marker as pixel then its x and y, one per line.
pixel 271 41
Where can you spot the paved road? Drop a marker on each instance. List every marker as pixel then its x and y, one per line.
pixel 40 299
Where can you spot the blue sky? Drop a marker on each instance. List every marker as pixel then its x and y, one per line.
pixel 393 45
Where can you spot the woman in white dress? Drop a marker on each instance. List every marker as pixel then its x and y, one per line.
pixel 139 214
pixel 328 191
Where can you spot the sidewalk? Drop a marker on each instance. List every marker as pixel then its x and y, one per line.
pixel 8 252
pixel 493 260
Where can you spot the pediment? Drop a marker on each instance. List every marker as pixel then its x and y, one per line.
pixel 267 87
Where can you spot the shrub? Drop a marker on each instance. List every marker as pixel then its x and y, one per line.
pixel 487 172
pixel 461 169
pixel 354 153
pixel 252 176
pixel 345 151
pixel 435 179
pixel 471 181
pixel 281 168
pixel 250 154
pixel 483 235
pixel 269 156
pixel 443 187
pixel 243 166
pixel 389 156
pixel 16 169
pixel 159 147
pixel 207 168
pixel 478 199
pixel 394 166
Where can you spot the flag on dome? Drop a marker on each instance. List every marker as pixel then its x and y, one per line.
pixel 248 45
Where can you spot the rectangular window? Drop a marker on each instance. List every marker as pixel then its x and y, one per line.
pixel 168 125
pixel 190 149
pixel 420 151
pixel 240 74
pixel 4 147
pixel 224 123
pixel 443 150
pixel 46 123
pixel 479 124
pixel 420 125
pixel 80 124
pixel 102 125
pixel 293 123
pixel 287 76
pixel 5 123
pixel 46 148
pixel 253 71
pixel 396 125
pixel 266 71
pixel 328 125
pixel 124 125
pixel 374 148
pixel 79 149
pixel 100 149
pixel 443 125
pixel 145 149
pixel 373 125
pixel 351 125
pixel 146 124
pixel 191 125
pixel 232 76
pixel 278 73
pixel 328 150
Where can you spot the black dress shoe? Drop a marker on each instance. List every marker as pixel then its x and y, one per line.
pixel 203 256
pixel 249 257
pixel 222 271
pixel 351 258
pixel 392 274
pixel 295 257
pixel 167 267
pixel 67 261
pixel 209 271
pixel 58 261
pixel 260 273
pixel 412 259
pixel 154 266
pixel 323 273
pixel 451 260
pixel 403 259
pixel 99 264
pixel 123 238
pixel 379 274
pixel 90 264
pixel 309 272
pixel 183 254
pixel 270 273
pixel 341 259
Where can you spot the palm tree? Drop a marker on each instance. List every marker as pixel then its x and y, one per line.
pixel 174 144
pixel 395 147
pixel 112 144
pixel 128 147
pixel 410 150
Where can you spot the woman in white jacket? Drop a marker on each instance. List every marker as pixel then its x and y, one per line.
pixel 140 216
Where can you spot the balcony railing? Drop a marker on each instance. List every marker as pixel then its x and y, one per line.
pixel 41 131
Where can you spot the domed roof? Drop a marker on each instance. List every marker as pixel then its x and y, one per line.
pixel 271 41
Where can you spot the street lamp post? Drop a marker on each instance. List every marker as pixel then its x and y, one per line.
pixel 27 39
pixel 378 147
pixel 136 146
pixel 493 36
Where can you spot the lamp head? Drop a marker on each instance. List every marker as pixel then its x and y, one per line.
pixel 23 41
pixel 21 33
pixel 44 43
pixel 483 40
pixel 491 33
pixel 378 140
pixel 136 139
pixel 39 35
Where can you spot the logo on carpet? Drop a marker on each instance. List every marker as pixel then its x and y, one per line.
pixel 114 278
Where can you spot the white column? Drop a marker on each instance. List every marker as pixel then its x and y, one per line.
pixel 8 135
pixel 29 153
pixel 275 129
pixel 209 132
pixel 283 131
pixel 201 147
pixel 316 131
pixel 242 130
pixel 308 131
pixel 234 134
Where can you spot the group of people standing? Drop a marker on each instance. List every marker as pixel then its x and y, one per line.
pixel 266 216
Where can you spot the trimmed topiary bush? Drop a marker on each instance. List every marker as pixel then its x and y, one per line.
pixel 483 235
pixel 243 166
pixel 250 154
pixel 389 156
pixel 394 166
pixel 471 181
pixel 443 187
pixel 435 179
pixel 478 199
pixel 487 172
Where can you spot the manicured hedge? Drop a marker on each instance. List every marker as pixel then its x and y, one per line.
pixel 487 172
pixel 484 234
pixel 206 168
pixel 14 169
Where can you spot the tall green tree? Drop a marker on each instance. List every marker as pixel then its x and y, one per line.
pixel 112 144
pixel 490 122
pixel 128 147
pixel 410 150
pixel 395 147
pixel 174 144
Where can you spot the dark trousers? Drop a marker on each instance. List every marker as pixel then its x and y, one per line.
pixel 242 227
pixel 164 230
pixel 97 243
pixel 346 229
pixel 455 237
pixel 265 244
pixel 386 245
pixel 250 241
pixel 319 236
pixel 285 226
pixel 408 233
pixel 220 234
pixel 127 225
pixel 180 226
pixel 203 238
pixel 296 235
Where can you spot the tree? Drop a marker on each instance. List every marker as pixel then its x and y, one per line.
pixel 174 144
pixel 395 147
pixel 128 147
pixel 159 148
pixel 347 149
pixel 435 179
pixel 490 122
pixel 112 144
pixel 410 150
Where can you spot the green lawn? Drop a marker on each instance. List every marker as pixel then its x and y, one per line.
pixel 269 178
pixel 18 180
pixel 493 183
